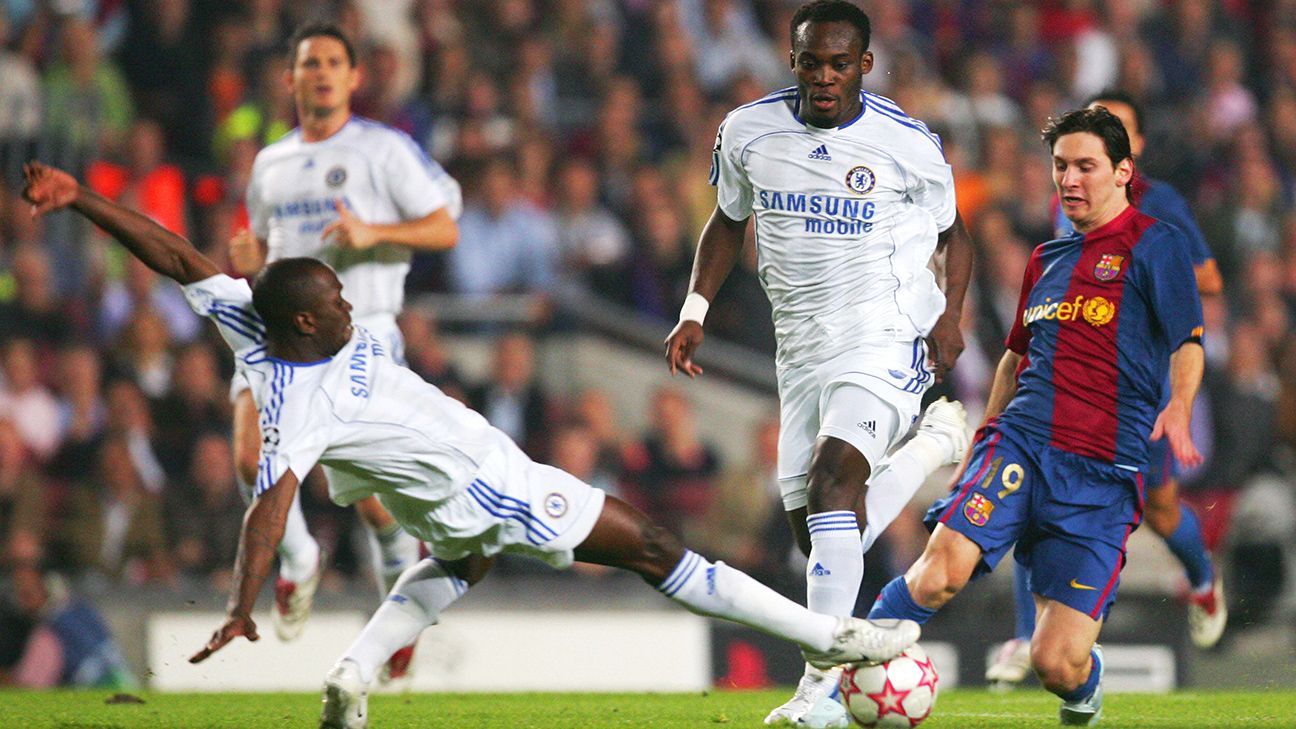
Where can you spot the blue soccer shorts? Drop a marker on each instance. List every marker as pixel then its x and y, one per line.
pixel 1069 516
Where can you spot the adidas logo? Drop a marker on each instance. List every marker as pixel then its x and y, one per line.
pixel 819 571
pixel 869 426
pixel 310 162
pixel 821 153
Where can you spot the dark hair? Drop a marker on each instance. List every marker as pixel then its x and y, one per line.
pixel 283 289
pixel 1097 121
pixel 828 11
pixel 1119 97
pixel 317 30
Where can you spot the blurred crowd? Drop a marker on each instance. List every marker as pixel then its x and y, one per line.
pixel 581 131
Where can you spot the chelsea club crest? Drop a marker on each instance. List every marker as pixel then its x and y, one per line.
pixel 335 177
pixel 861 179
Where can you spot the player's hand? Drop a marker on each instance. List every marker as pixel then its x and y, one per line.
pixel 1173 424
pixel 48 188
pixel 348 231
pixel 945 344
pixel 245 253
pixel 683 341
pixel 235 625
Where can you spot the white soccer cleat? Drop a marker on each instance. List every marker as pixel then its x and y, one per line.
pixel 346 700
pixel 293 602
pixel 856 640
pixel 815 704
pixel 1010 665
pixel 1207 615
pixel 947 421
pixel 1088 711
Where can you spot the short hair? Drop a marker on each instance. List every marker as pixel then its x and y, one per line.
pixel 317 30
pixel 1097 121
pixel 283 289
pixel 1120 97
pixel 828 11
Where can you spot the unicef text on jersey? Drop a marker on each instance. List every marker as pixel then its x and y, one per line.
pixel 837 215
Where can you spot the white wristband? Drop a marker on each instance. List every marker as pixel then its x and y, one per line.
pixel 694 308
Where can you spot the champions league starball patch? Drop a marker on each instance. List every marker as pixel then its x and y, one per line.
pixel 861 179
pixel 1108 267
pixel 978 509
pixel 335 177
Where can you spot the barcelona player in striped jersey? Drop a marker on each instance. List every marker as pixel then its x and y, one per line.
pixel 1173 521
pixel 1105 316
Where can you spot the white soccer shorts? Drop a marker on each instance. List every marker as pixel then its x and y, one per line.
pixel 513 505
pixel 868 397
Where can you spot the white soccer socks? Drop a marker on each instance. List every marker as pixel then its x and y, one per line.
pixel 393 551
pixel 836 564
pixel 720 591
pixel 415 602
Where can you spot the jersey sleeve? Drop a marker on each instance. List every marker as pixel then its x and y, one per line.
pixel 733 189
pixel 228 302
pixel 1019 336
pixel 417 185
pixel 1173 209
pixel 291 440
pixel 931 178
pixel 1170 285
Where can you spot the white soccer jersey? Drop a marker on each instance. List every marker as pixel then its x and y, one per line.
pixel 846 220
pixel 383 176
pixel 376 423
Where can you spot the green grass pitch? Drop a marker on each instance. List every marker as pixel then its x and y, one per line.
pixel 954 710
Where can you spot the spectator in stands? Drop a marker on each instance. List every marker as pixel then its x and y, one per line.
pixel 114 526
pixel 673 475
pixel 23 498
pixel 83 413
pixel 35 312
pixel 196 403
pixel 745 525
pixel 592 242
pixel 20 105
pixel 512 399
pixel 143 288
pixel 88 107
pixel 204 511
pixel 594 409
pixel 662 261
pixel 143 352
pixel 506 245
pixel 425 354
pixel 26 402
pixel 67 642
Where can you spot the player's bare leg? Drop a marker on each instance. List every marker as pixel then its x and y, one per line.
pixel 416 601
pixel 623 537
pixel 1068 661
pixel 300 559
pixel 1179 526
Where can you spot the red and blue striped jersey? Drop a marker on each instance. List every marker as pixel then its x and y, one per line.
pixel 1098 318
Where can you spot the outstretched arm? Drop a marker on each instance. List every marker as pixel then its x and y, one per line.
pixel 946 339
pixel 49 188
pixel 263 528
pixel 718 249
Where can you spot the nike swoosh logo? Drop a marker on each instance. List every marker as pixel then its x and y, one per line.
pixel 1079 586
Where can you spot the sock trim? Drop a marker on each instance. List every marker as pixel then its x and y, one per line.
pixel 688 564
pixel 832 521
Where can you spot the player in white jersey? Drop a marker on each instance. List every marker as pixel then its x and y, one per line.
pixel 851 198
pixel 330 393
pixel 361 197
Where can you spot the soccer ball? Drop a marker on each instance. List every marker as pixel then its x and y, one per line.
pixel 900 692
